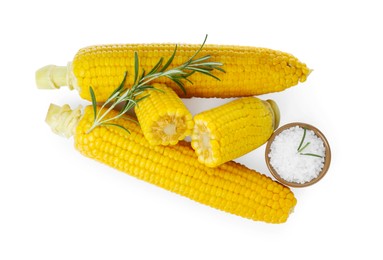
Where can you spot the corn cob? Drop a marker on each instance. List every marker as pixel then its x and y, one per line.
pixel 229 131
pixel 163 117
pixel 249 70
pixel 230 187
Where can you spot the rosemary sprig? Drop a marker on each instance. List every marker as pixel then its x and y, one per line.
pixel 301 148
pixel 142 82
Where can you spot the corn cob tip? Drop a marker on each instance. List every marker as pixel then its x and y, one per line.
pixel 52 77
pixel 63 120
pixel 276 112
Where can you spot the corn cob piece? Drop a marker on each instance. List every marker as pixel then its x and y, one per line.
pixel 230 187
pixel 229 131
pixel 249 70
pixel 163 117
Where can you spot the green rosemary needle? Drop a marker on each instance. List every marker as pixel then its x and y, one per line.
pixel 128 97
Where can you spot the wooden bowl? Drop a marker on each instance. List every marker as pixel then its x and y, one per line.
pixel 326 162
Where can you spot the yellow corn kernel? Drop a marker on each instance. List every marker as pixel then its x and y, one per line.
pixel 163 117
pixel 230 187
pixel 249 70
pixel 229 131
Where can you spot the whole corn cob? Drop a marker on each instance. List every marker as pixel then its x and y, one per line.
pixel 163 117
pixel 230 187
pixel 229 131
pixel 249 70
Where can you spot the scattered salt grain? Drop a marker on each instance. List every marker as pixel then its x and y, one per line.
pixel 294 166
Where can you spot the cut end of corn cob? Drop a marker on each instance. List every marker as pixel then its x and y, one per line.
pixel 234 129
pixel 63 120
pixel 163 117
pixel 169 129
pixel 274 109
pixel 54 77
pixel 203 143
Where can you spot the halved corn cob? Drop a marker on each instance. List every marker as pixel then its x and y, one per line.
pixel 230 187
pixel 229 131
pixel 249 70
pixel 163 117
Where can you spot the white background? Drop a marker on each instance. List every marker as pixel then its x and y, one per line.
pixel 57 204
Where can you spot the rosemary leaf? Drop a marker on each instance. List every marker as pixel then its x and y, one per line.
pixel 113 96
pixel 198 51
pixel 211 64
pixel 188 75
pixel 136 67
pixel 117 125
pixel 94 102
pixel 203 71
pixel 311 154
pixel 303 138
pixel 188 80
pixel 206 57
pixel 145 87
pixel 179 84
pixel 120 87
pixel 141 98
pixel 129 119
pixel 142 74
pixel 184 77
pixel 170 60
pixel 220 69
pixel 174 72
pixel 202 67
pixel 157 66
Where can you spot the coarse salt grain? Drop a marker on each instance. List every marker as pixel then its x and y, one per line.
pixel 292 165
